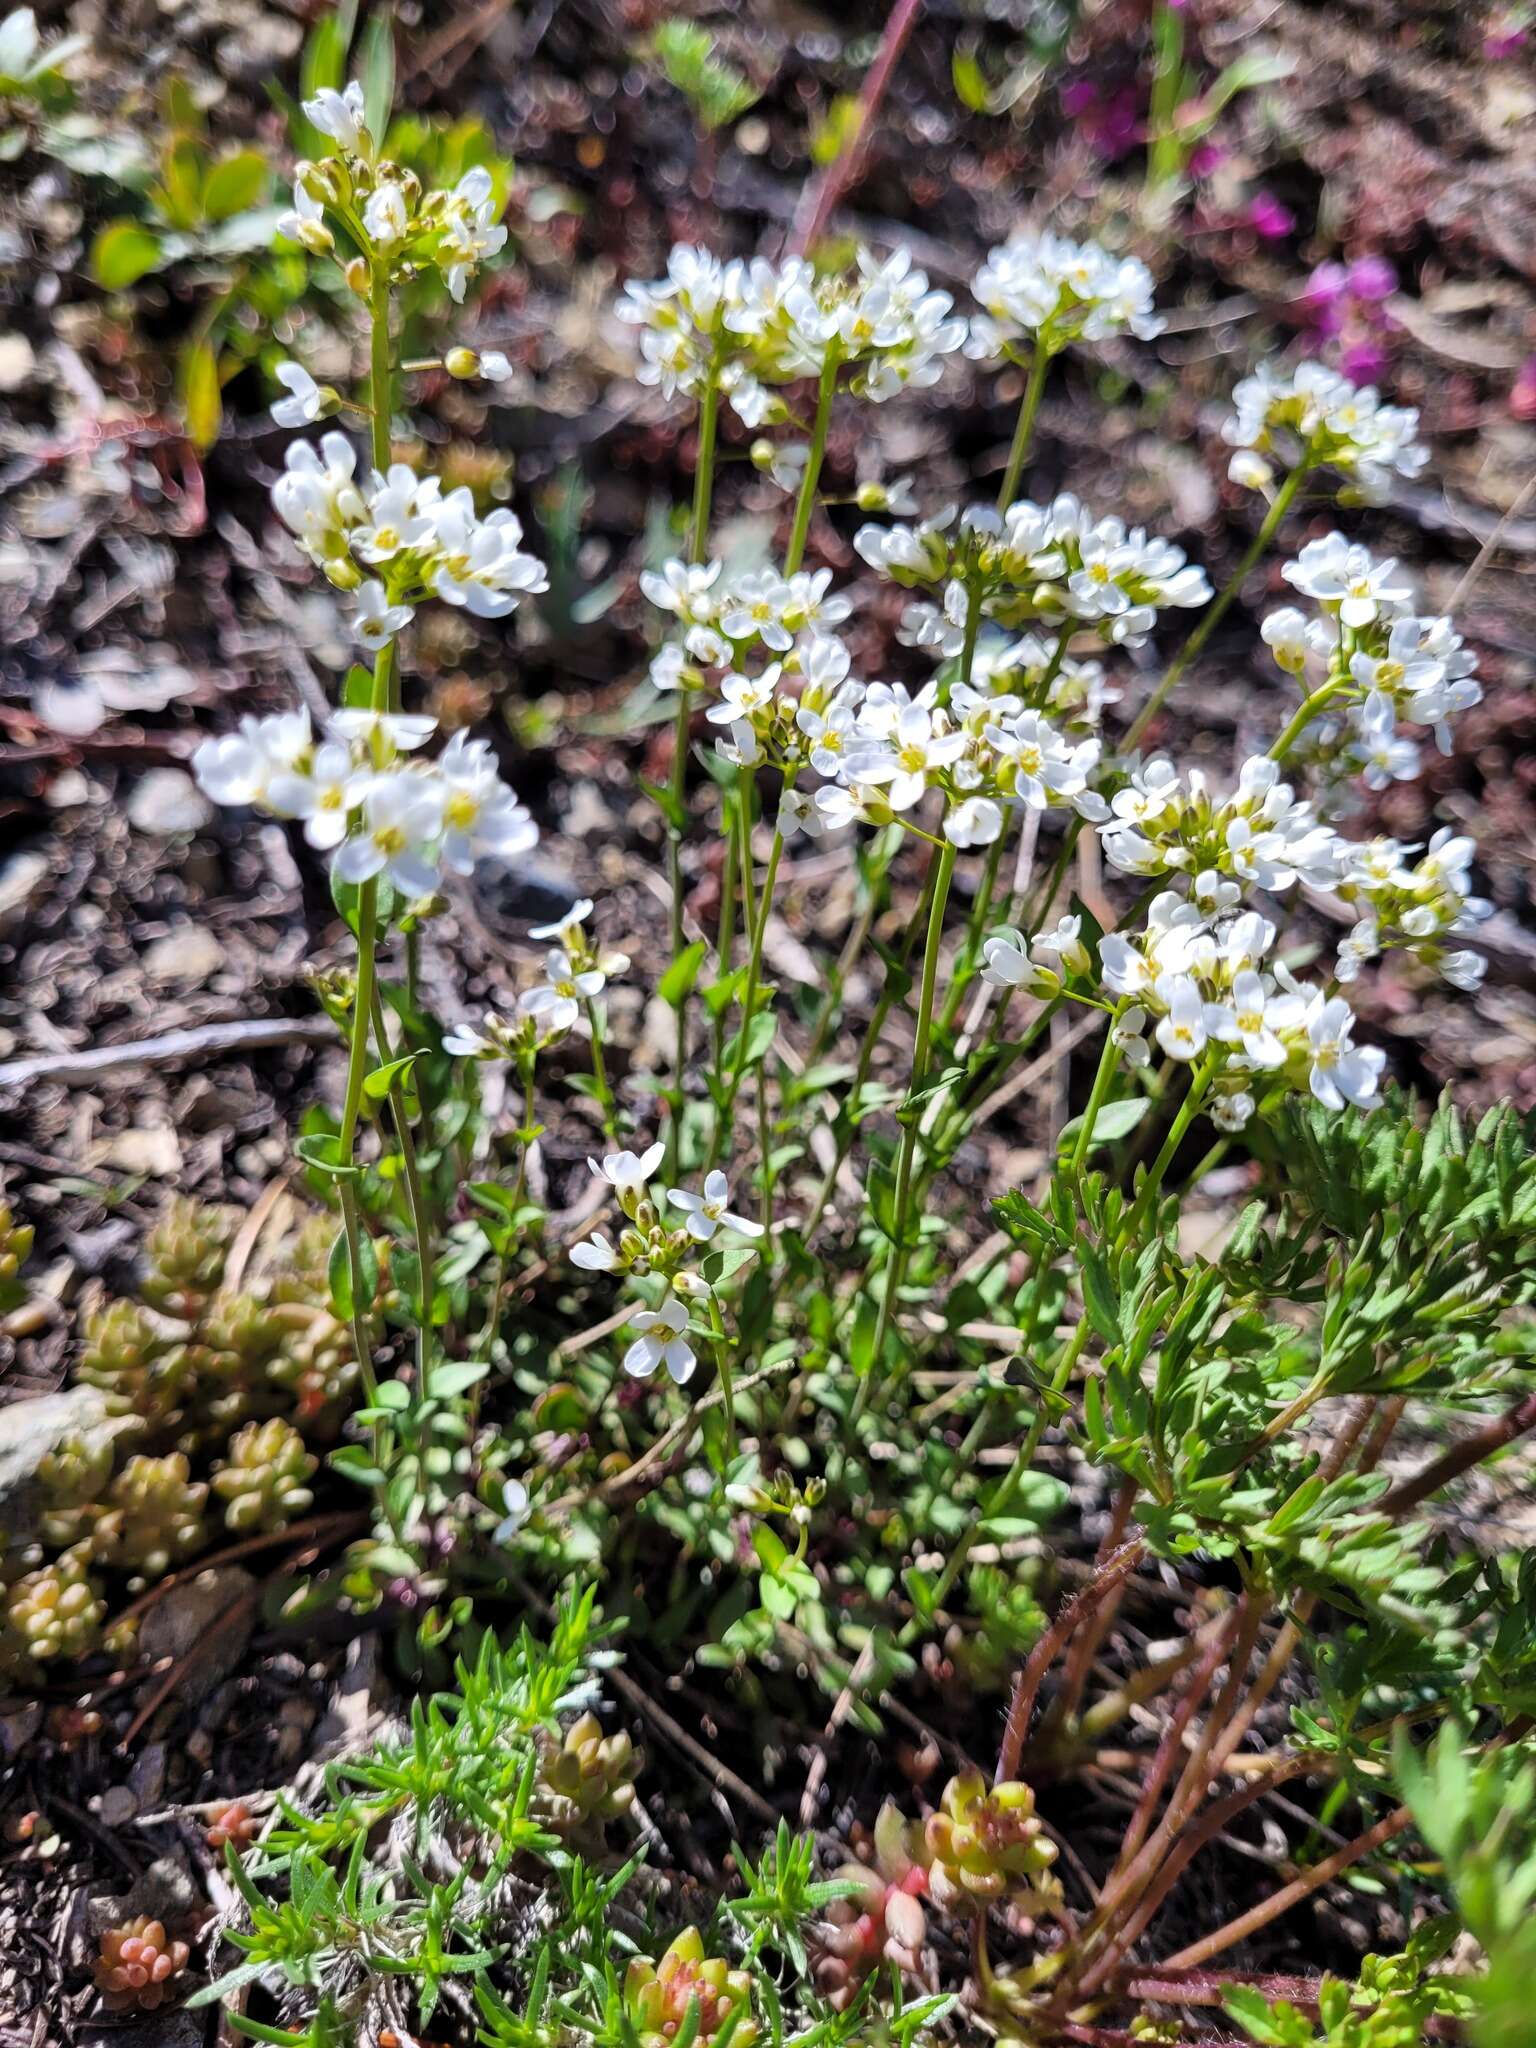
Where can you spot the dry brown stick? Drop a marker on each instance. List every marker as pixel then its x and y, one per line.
pixel 1292 1894
pixel 720 1775
pixel 821 195
pixel 1472 1450
pixel 199 1041
pixel 1173 1735
pixel 1080 1655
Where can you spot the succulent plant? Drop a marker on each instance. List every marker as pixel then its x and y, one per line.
pixel 135 1365
pixel 987 1845
pixel 138 1965
pixel 154 1516
pixel 15 1248
pixel 52 1613
pixel 263 1478
pixel 74 1477
pixel 883 1920
pixel 234 1823
pixel 184 1258
pixel 589 1779
pixel 657 1995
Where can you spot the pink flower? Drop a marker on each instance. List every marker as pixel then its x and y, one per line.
pixel 1522 396
pixel 1363 362
pixel 1372 278
pixel 1503 38
pixel 1270 221
pixel 1206 157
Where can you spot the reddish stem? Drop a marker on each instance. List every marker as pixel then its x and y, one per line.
pixel 1472 1450
pixel 1043 1655
pixel 820 196
pixel 1173 1737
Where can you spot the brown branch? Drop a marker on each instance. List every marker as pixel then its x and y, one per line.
pixel 1173 1735
pixel 821 195
pixel 1472 1450
pixel 201 1041
pixel 1310 1881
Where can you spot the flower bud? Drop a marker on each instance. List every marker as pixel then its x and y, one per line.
pixel 1250 470
pixel 325 182
pixel 762 452
pixel 343 572
pixel 358 278
pixel 316 237
pixel 870 497
pixel 462 363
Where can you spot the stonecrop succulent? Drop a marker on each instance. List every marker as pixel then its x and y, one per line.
pixel 263 1478
pixel 986 1844
pixel 138 1967
pixel 661 1996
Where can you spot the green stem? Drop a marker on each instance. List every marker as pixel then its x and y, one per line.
pixel 754 978
pixel 1023 432
pixel 421 1222
pixel 727 1385
pixel 1109 1059
pixel 600 1072
pixel 807 499
pixel 965 966
pixel 1188 1110
pixel 698 538
pixel 1306 711
pixel 1216 612
pixel 380 397
pixel 896 1267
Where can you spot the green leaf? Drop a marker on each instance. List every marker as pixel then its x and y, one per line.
pixel 339 1274
pixel 676 985
pixel 357 690
pixel 374 66
pixel 1099 1296
pixel 235 184
pixel 322 1151
pixel 122 253
pixel 377 1084
pixel 454 1377
pixel 1114 1121
pixel 201 397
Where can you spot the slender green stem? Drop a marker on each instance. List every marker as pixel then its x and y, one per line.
pixel 421 1220
pixel 1284 498
pixel 1109 1059
pixel 807 499
pixel 965 966
pixel 727 1385
pixel 1306 711
pixel 1024 431
pixel 698 540
pixel 1188 1110
pixel 380 395
pixel 600 1079
pixel 753 982
pixel 896 1265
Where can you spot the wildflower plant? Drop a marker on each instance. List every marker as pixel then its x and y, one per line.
pixel 715 1394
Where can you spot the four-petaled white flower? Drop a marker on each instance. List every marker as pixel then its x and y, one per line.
pixel 707 1212
pixel 661 1342
pixel 306 402
pixel 1341 1072
pixel 401 816
pixel 377 621
pixel 626 1171
pixel 340 115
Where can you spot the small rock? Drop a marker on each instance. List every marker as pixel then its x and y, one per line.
pixel 21 883
pixel 17 361
pixel 189 954
pixel 147 1777
pixel 30 1429
pixel 166 801
pixel 117 1806
pixel 519 892
pixel 196 1617
pixel 155 1151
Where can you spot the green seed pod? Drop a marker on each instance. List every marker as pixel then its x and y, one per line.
pixel 154 1516
pixel 263 1479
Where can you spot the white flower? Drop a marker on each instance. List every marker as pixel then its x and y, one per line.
pixel 479 563
pixel 707 1212
pixel 401 816
pixel 324 798
pixel 377 621
pixel 1346 580
pixel 662 1343
pixel 386 216
pixel 238 768
pixel 1181 1031
pixel 466 1043
pixel 383 733
pixel 974 821
pixel 1045 289
pixel 1341 1072
pixel 1232 1113
pixel 1284 633
pixel 340 115
pixel 480 813
pixel 1463 969
pixel 917 748
pixel 595 1254
pixel 307 402
pixel 626 1172
pixel 470 231
pixel 1126 1035
pixel 557 1001
pixel 1313 412
pixel 1006 961
pixel 495 367
pixel 1065 940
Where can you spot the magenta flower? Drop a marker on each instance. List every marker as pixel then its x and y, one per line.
pixel 1503 38
pixel 1363 362
pixel 1372 278
pixel 1270 221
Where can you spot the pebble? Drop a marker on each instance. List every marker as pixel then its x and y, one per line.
pixel 188 954
pixel 166 801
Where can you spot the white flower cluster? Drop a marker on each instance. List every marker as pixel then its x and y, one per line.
pixel 1199 982
pixel 1046 292
pixel 1313 415
pixel 1034 564
pixel 1261 835
pixel 397 538
pixel 649 1246
pixel 757 324
pixel 384 206
pixel 1413 904
pixel 378 813
pixel 576 971
pixel 1385 664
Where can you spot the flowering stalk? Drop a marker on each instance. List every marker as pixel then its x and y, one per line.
pixel 1023 433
